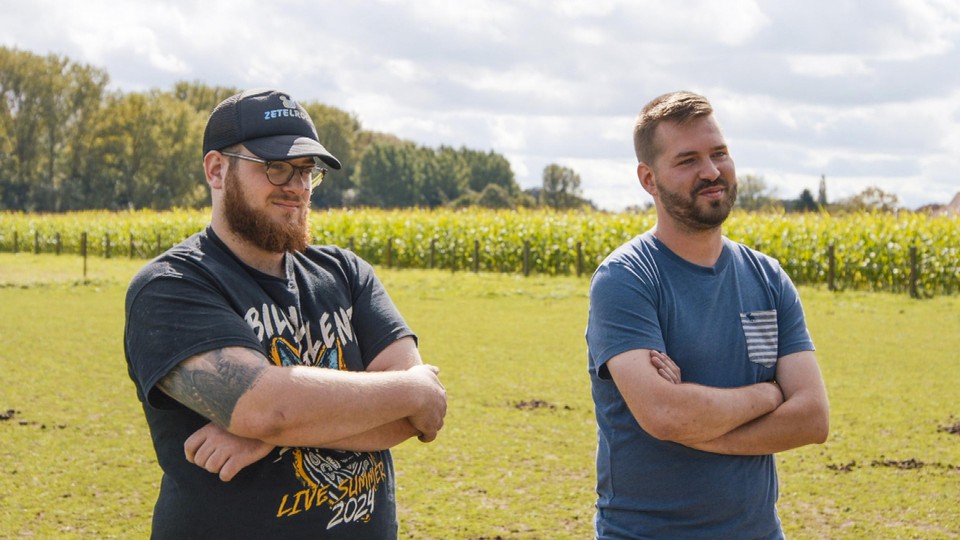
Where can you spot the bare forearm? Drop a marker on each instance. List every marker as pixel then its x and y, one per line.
pixel 315 407
pixel 681 412
pixel 221 452
pixel 380 438
pixel 242 392
pixel 800 421
pixel 804 417
pixel 695 414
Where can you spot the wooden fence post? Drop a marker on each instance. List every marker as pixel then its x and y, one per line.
pixel 476 256
pixel 834 282
pixel 832 268
pixel 579 259
pixel 526 257
pixel 83 252
pixel 914 273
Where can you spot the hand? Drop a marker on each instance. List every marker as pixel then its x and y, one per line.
pixel 780 398
pixel 666 367
pixel 433 402
pixel 221 452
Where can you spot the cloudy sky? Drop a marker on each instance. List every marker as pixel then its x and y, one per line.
pixel 866 93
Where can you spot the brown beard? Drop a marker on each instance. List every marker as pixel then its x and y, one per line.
pixel 684 208
pixel 256 227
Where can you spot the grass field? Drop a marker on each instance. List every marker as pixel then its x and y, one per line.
pixel 515 459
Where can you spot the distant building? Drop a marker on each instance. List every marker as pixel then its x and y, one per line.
pixel 954 206
pixel 950 209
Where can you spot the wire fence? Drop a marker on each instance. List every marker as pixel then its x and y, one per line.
pixel 904 269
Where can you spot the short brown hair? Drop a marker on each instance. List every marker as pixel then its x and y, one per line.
pixel 679 107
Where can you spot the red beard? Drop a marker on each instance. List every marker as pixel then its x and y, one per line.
pixel 256 227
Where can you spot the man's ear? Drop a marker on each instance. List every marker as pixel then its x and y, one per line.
pixel 646 175
pixel 215 169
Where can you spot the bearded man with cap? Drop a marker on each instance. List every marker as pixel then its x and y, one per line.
pixel 274 375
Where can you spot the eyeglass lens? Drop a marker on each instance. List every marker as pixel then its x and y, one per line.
pixel 281 172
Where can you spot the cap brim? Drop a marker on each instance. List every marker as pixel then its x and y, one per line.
pixel 290 147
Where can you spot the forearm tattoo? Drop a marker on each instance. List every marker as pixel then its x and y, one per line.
pixel 212 384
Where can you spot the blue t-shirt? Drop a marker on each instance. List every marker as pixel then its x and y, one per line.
pixel 725 326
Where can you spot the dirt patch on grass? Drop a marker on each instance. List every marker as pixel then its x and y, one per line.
pixel 953 428
pixel 10 413
pixel 537 404
pixel 904 464
pixel 843 467
pixel 911 464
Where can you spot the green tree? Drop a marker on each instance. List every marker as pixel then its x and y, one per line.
pixel 753 194
pixel 87 95
pixel 200 97
pixel 872 199
pixel 489 168
pixel 44 102
pixel 65 144
pixel 561 187
pixel 29 85
pixel 388 175
pixel 365 139
pixel 149 150
pixel 179 179
pixel 445 176
pixel 338 132
pixel 126 148
pixel 806 203
pixel 494 196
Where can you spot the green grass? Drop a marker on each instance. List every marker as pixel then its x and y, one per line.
pixel 515 459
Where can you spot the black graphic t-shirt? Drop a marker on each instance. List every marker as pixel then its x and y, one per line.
pixel 329 312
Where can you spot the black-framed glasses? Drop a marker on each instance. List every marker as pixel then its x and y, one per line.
pixel 279 173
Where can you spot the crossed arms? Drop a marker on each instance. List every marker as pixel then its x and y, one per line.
pixel 254 405
pixel 756 419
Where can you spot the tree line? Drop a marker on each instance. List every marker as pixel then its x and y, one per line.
pixel 67 143
pixel 753 194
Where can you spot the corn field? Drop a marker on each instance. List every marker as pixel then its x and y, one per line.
pixel 866 251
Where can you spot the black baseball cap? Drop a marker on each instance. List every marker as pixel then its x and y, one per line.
pixel 269 123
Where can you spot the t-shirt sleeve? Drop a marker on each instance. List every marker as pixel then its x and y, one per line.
pixel 377 321
pixel 170 318
pixel 792 326
pixel 622 316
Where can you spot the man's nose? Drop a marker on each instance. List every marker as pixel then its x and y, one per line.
pixel 710 172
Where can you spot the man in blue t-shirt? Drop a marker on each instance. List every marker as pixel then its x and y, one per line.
pixel 275 376
pixel 699 357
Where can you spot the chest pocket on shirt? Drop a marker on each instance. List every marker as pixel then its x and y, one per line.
pixel 760 330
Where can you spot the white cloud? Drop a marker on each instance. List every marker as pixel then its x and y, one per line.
pixel 828 65
pixel 522 82
pixel 610 184
pixel 863 93
pixel 506 134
